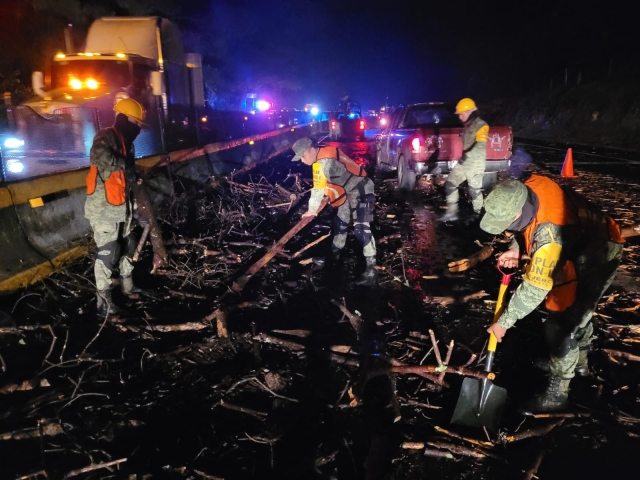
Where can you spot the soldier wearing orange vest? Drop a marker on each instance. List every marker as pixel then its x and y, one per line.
pixel 109 206
pixel 350 192
pixel 575 250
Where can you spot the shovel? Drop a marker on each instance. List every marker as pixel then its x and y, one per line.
pixel 480 402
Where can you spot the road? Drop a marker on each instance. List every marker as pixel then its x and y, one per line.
pixel 177 402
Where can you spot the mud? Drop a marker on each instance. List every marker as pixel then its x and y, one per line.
pixel 169 403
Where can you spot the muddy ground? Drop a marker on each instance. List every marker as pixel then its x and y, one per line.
pixel 151 400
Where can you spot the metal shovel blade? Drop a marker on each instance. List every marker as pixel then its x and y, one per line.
pixel 480 404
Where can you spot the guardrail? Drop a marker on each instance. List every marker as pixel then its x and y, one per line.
pixel 43 224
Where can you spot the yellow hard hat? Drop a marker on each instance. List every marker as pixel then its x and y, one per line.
pixel 465 105
pixel 130 108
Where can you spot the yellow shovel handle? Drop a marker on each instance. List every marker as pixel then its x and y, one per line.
pixel 493 341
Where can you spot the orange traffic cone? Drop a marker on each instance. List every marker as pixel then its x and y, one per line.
pixel 567 166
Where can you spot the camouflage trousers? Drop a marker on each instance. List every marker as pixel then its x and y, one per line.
pixel 596 268
pixel 471 171
pixel 110 238
pixel 346 214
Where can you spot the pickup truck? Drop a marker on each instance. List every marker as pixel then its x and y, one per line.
pixel 347 122
pixel 425 138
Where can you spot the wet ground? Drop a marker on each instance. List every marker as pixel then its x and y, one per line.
pixel 76 392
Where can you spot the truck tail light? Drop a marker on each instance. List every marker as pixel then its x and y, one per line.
pixel 333 124
pixel 415 144
pixel 361 124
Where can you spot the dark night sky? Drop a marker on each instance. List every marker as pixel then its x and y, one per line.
pixel 316 50
pixel 427 50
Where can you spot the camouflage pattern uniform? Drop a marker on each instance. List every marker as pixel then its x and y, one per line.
pixel 470 168
pixel 595 268
pixel 111 224
pixel 334 171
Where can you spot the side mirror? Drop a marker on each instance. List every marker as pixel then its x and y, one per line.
pixel 37 83
pixel 157 84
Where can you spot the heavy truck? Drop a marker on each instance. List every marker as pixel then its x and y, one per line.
pixel 136 57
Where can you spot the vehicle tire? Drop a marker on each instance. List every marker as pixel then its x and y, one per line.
pixel 406 176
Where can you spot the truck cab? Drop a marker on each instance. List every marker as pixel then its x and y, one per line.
pixel 124 57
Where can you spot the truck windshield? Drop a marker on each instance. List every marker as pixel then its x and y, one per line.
pixel 111 73
pixel 429 116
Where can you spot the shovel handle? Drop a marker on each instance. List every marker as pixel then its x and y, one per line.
pixel 493 341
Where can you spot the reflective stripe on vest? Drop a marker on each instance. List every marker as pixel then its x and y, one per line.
pixel 553 208
pixel 335 191
pixel 115 185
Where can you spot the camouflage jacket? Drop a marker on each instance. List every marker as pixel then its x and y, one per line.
pixel 474 141
pixel 528 296
pixel 333 170
pixel 106 157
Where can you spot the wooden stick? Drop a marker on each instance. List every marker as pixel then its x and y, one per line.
pixel 436 350
pixel 472 441
pixel 460 450
pixel 237 408
pixel 435 369
pixel 472 261
pixel 432 452
pixel 533 432
pixel 44 430
pixel 562 415
pixel 94 466
pixel 617 353
pixel 446 361
pixel 428 376
pixel 412 445
pixel 342 359
pixel 355 320
pixel 145 208
pixel 265 338
pixel 180 327
pixel 315 242
pixel 393 392
pixel 240 283
pixel 220 316
pixel 143 239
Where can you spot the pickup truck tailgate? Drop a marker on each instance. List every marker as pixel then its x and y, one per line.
pixel 445 144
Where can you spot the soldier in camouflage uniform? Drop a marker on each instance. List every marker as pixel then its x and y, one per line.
pixel 350 191
pixel 575 250
pixel 471 166
pixel 109 206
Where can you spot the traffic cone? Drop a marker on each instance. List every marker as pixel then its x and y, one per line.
pixel 567 166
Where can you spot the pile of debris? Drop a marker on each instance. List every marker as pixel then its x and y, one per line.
pixel 217 373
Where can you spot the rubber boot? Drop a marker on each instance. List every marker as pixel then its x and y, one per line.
pixel 555 398
pixel 582 368
pixel 128 287
pixel 105 304
pixel 451 215
pixel 370 274
pixel 329 260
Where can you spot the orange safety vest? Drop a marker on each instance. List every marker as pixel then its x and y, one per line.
pixel 115 185
pixel 562 207
pixel 335 190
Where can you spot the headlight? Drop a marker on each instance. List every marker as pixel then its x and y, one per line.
pixel 15 166
pixel 13 143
